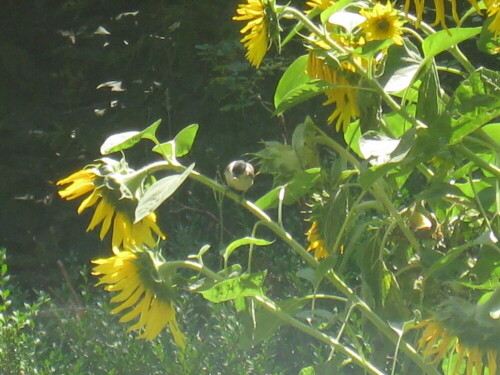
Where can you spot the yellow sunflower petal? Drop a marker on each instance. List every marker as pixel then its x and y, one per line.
pixel 141 308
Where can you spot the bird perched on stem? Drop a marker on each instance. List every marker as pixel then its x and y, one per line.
pixel 239 175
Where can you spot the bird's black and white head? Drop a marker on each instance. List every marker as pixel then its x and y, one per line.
pixel 239 175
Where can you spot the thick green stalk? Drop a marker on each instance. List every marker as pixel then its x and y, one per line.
pixel 275 310
pixel 336 281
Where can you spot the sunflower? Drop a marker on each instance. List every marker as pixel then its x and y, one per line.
pixel 440 9
pixel 343 96
pixel 316 243
pixel 110 209
pixel 141 292
pixel 320 4
pixel 382 22
pixel 459 329
pixel 256 41
pixel 493 10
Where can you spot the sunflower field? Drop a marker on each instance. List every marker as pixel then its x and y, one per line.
pixel 317 192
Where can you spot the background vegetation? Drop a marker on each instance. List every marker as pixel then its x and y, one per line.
pixel 72 73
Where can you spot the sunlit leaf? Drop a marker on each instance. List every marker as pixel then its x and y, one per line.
pixel 348 20
pixel 401 68
pixel 440 41
pixel 158 192
pixel 123 141
pixel 376 147
pixel 182 142
pixel 493 130
pixel 401 79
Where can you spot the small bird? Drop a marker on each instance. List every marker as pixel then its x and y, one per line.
pixel 239 175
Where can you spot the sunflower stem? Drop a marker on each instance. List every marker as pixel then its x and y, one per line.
pixel 331 276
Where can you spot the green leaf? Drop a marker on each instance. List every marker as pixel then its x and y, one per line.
pixel 125 140
pixel 369 49
pixel 475 103
pixel 295 86
pixel 184 139
pixel 182 142
pixel 493 130
pixel 347 20
pixel 242 242
pixel 295 75
pixel 352 136
pixel 376 147
pixel 242 286
pixel 296 188
pixel 401 78
pixel 436 43
pixel 308 274
pixel 301 93
pixel 401 68
pixel 158 192
pixel 429 104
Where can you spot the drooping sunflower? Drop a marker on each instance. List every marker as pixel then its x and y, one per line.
pixel 459 329
pixel 316 243
pixel 110 209
pixel 256 40
pixel 142 294
pixel 343 96
pixel 382 22
pixel 439 8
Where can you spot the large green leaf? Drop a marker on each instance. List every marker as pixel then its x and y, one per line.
pixel 122 141
pixel 401 68
pixel 295 86
pixel 296 188
pixel 295 75
pixel 160 191
pixel 440 41
pixel 242 286
pixel 182 142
